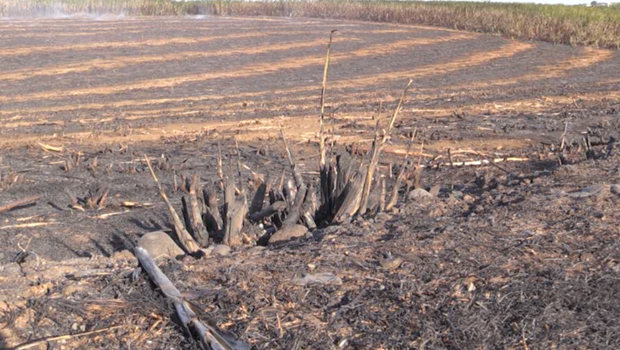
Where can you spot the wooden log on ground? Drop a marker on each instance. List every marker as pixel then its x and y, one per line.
pixel 209 336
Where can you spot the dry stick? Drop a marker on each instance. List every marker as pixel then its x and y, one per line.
pixel 200 231
pixel 493 163
pixel 376 152
pixel 186 240
pixel 382 204
pixel 239 166
pixel 296 174
pixel 322 103
pixel 220 170
pixel 563 139
pixel 561 158
pixel 210 337
pixel 19 203
pixel 64 337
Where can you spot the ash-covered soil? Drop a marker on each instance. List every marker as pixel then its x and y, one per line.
pixel 519 257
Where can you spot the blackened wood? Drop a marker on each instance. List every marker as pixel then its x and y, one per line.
pixel 212 216
pixel 610 146
pixel 271 210
pixel 276 196
pixel 349 201
pixel 235 215
pixel 186 216
pixel 259 198
pixel 197 225
pixel 296 210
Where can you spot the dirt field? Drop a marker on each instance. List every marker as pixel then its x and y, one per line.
pixel 506 257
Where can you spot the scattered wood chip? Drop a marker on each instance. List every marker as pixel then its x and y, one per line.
pixel 32 224
pixel 50 148
pixel 107 215
pixel 129 204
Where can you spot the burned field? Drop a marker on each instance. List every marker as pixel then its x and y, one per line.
pixel 518 254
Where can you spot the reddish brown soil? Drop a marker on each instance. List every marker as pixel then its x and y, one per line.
pixel 507 263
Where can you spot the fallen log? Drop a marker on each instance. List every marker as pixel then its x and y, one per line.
pixel 209 336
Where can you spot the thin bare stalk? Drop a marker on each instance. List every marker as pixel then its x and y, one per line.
pixel 323 90
pixel 186 240
pixel 376 152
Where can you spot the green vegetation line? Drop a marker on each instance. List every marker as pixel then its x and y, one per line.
pixel 572 25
